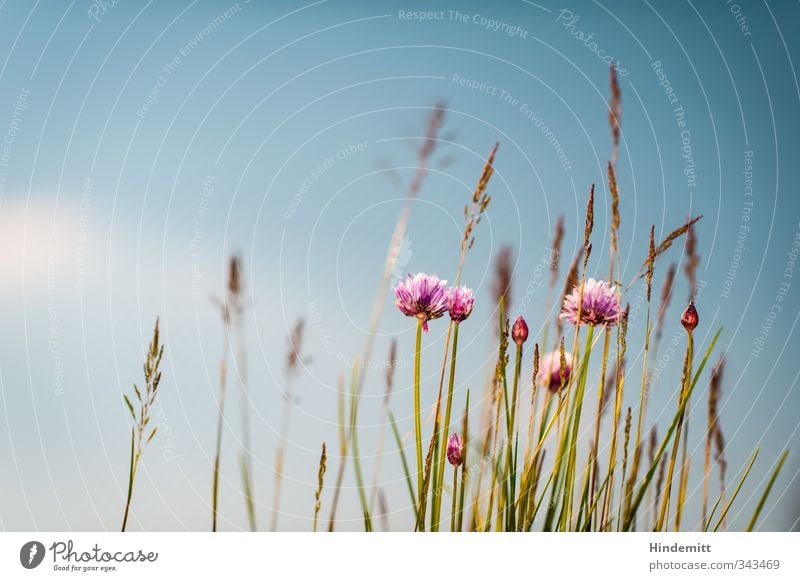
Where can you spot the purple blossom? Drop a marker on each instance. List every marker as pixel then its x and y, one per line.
pixel 549 374
pixel 600 304
pixel 459 302
pixel 455 450
pixel 423 296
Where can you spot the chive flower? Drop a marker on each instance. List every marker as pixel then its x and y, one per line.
pixel 690 318
pixel 460 301
pixel 455 450
pixel 549 375
pixel 519 332
pixel 599 304
pixel 423 296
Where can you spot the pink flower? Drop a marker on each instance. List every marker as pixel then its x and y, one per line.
pixel 549 375
pixel 460 301
pixel 519 331
pixel 423 296
pixel 455 450
pixel 690 318
pixel 600 304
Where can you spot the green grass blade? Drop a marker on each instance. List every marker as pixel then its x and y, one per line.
pixel 767 490
pixel 403 460
pixel 736 492
pixel 631 517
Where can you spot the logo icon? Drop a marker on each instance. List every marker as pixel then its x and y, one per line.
pixel 31 554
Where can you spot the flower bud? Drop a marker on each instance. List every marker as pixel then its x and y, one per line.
pixel 519 332
pixel 689 318
pixel 455 450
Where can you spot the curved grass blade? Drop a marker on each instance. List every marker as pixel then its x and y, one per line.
pixel 767 490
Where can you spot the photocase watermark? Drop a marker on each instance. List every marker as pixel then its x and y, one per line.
pixel 206 193
pixel 330 348
pixel 99 8
pixel 524 109
pixel 743 229
pixel 169 69
pixel 94 559
pixel 486 22
pixel 768 321
pixel 569 20
pixel 166 434
pixel 315 173
pixel 31 554
pixel 14 125
pixel 541 273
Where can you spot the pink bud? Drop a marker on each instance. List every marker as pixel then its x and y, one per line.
pixel 689 318
pixel 519 332
pixel 455 450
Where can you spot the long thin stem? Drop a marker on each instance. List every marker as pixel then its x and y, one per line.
pixel 131 476
pixel 455 498
pixel 417 418
pixel 464 471
pixel 223 378
pixel 682 402
pixel 445 428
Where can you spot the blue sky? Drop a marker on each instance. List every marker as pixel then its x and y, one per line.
pixel 143 143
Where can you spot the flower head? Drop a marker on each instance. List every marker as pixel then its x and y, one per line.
pixel 519 332
pixel 600 304
pixel 690 318
pixel 455 450
pixel 549 374
pixel 423 296
pixel 460 300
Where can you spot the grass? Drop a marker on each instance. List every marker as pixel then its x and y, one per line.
pixel 142 433
pixel 570 476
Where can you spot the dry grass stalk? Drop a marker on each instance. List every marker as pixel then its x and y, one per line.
pixel 587 230
pixel 294 362
pixel 651 260
pixel 424 154
pixel 558 239
pixel 343 449
pixel 320 482
pixel 714 435
pixel 231 307
pixel 570 282
pixel 503 272
pixel 692 261
pixel 388 377
pixel 626 443
pixel 666 244
pixel 615 218
pixel 666 296
pixel 615 111
pixel 474 212
pixel 141 433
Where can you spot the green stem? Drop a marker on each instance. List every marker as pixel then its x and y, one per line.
pixel 445 428
pixel 455 496
pixel 569 484
pixel 663 518
pixel 356 458
pixel 465 443
pixel 417 418
pixel 131 475
pixel 399 441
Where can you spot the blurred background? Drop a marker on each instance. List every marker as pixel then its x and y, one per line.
pixel 144 143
